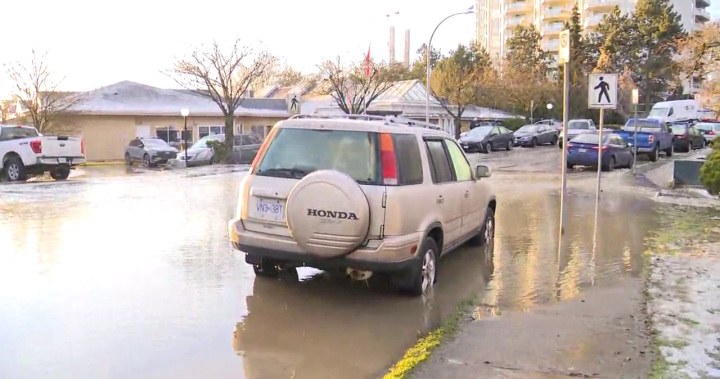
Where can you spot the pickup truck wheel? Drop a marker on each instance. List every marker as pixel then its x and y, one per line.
pixel 60 173
pixel 654 155
pixel 14 170
pixel 670 151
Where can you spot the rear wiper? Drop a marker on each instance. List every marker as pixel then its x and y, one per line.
pixel 288 172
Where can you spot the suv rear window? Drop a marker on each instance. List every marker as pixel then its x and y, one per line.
pixel 12 132
pixel 294 153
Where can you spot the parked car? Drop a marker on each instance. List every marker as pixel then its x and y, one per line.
pixel 675 110
pixel 583 151
pixel 552 123
pixel 653 136
pixel 245 148
pixel 342 194
pixel 687 137
pixel 25 152
pixel 488 138
pixel 533 135
pixel 577 127
pixel 710 130
pixel 150 151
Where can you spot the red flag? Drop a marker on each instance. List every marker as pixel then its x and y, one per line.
pixel 367 62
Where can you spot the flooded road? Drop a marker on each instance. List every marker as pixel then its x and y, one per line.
pixel 132 276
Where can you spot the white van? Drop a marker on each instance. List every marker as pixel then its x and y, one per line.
pixel 677 110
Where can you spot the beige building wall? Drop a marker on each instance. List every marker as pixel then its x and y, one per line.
pixel 106 137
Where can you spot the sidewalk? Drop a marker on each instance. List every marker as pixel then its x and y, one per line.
pixel 600 334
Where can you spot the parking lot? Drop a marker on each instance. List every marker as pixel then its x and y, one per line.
pixel 123 272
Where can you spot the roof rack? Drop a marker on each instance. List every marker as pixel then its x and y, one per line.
pixel 387 120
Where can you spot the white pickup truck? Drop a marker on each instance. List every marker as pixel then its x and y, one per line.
pixel 25 152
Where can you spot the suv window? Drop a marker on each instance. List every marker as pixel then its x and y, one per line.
pixel 460 164
pixel 440 167
pixel 135 143
pixel 409 161
pixel 10 133
pixel 294 153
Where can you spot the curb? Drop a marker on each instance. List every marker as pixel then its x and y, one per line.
pixel 108 163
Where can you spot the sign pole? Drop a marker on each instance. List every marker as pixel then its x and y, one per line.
pixel 600 154
pixel 564 57
pixel 635 100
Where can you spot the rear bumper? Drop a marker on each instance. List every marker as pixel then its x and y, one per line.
pixel 585 159
pixel 389 254
pixel 55 161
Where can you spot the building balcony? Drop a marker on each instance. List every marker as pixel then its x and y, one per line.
pixel 519 7
pixel 593 21
pixel 702 3
pixel 552 29
pixel 569 3
pixel 701 15
pixel 556 14
pixel 551 45
pixel 513 22
pixel 601 5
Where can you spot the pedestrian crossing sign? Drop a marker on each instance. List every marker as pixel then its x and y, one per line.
pixel 602 91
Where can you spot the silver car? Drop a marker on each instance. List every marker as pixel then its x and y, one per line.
pixel 710 130
pixel 245 148
pixel 150 151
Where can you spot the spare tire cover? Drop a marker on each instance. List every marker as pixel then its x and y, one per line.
pixel 328 214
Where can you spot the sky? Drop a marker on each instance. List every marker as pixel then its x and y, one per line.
pixel 100 43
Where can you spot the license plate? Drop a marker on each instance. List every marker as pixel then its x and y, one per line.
pixel 271 210
pixel 62 160
pixel 582 150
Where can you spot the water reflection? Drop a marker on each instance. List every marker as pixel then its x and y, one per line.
pixel 318 328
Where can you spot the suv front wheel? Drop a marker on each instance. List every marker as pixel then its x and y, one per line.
pixel 420 278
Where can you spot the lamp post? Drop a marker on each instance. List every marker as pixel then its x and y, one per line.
pixel 185 112
pixel 550 108
pixel 428 53
pixel 635 101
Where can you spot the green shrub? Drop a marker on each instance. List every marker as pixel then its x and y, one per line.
pixel 221 151
pixel 710 171
pixel 514 123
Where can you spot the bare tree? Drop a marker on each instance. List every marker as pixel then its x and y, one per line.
pixel 223 77
pixel 4 110
pixel 279 74
pixel 699 52
pixel 36 86
pixel 354 87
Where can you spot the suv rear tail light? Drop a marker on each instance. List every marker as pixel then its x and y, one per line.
pixel 36 146
pixel 712 132
pixel 651 138
pixel 82 147
pixel 569 145
pixel 387 159
pixel 262 150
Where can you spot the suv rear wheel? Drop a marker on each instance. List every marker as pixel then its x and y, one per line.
pixel 420 278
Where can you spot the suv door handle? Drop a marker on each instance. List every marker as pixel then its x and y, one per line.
pixel 467 193
pixel 440 199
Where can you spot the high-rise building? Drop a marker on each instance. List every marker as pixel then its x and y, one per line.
pixel 496 19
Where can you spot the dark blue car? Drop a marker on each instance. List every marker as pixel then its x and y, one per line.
pixel 583 151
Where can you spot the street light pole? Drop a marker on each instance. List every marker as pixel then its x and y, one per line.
pixel 428 53
pixel 185 112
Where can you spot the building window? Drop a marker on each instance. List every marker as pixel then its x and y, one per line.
pixel 258 130
pixel 204 131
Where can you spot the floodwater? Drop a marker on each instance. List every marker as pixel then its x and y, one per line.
pixel 131 276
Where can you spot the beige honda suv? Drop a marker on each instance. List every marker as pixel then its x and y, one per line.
pixel 363 194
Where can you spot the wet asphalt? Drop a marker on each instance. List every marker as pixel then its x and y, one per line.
pixel 127 273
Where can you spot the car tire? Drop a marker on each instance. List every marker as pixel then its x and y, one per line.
pixel 610 165
pixel 560 145
pixel 702 145
pixel 534 142
pixel 14 170
pixel 555 140
pixel 420 279
pixel 146 159
pixel 670 151
pixel 128 160
pixel 632 162
pixel 488 148
pixel 570 166
pixel 510 145
pixel 480 239
pixel 60 173
pixel 654 155
pixel 267 269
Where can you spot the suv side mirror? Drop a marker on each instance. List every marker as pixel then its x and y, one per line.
pixel 482 171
